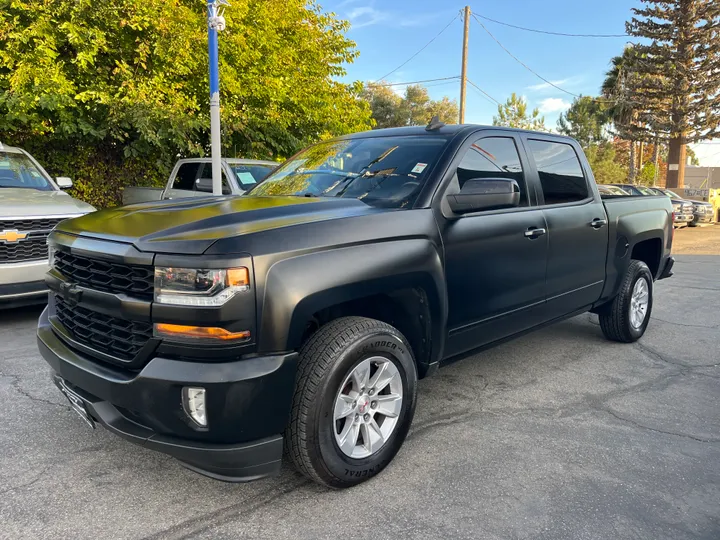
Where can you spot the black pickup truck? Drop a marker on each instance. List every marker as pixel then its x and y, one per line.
pixel 299 317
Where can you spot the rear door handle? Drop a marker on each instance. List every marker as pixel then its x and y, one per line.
pixel 534 232
pixel 597 223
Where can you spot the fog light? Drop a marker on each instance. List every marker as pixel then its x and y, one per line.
pixel 194 404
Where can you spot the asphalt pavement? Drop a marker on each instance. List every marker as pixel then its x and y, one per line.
pixel 557 435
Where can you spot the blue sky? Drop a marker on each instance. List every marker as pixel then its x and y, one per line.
pixel 388 32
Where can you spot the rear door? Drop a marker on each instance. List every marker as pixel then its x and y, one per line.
pixel 495 268
pixel 576 223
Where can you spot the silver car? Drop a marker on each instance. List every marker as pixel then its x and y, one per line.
pixel 31 204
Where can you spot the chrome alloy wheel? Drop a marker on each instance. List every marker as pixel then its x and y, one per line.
pixel 367 407
pixel 639 302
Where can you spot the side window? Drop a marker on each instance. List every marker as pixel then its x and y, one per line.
pixel 186 176
pixel 205 172
pixel 561 175
pixel 493 157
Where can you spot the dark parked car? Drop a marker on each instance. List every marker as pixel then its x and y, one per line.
pixel 683 211
pixel 302 314
pixel 702 212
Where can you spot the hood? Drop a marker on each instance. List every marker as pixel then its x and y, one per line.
pixel 20 202
pixel 192 225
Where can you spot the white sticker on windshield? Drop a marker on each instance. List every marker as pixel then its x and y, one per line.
pixel 420 167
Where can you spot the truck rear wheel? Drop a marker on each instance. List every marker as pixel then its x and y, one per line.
pixel 627 316
pixel 354 401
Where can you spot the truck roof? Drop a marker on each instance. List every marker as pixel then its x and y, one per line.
pixel 448 129
pixel 13 149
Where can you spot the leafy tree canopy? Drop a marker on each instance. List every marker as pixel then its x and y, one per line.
pixel 514 113
pixel 603 162
pixel 125 83
pixel 414 108
pixel 586 120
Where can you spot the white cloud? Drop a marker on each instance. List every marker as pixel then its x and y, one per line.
pixel 545 86
pixel 550 105
pixel 365 16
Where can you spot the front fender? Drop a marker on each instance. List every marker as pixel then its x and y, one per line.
pixel 298 287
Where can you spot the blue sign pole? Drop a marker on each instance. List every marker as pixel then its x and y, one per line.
pixel 215 23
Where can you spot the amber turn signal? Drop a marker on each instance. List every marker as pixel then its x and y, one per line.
pixel 199 332
pixel 238 277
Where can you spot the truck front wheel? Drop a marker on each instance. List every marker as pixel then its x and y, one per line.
pixel 354 401
pixel 627 316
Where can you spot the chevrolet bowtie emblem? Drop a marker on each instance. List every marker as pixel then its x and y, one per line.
pixel 12 236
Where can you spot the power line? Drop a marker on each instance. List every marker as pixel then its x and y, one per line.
pixel 422 49
pixel 521 62
pixel 484 93
pixel 554 33
pixel 417 82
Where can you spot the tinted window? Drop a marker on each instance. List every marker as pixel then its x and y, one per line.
pixel 17 171
pixel 493 157
pixel 380 171
pixel 186 176
pixel 561 175
pixel 205 172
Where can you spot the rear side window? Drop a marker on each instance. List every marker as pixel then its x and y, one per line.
pixel 186 176
pixel 561 175
pixel 493 157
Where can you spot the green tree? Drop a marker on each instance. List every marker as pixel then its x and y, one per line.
pixel 415 108
pixel 603 161
pixel 678 87
pixel 647 175
pixel 114 92
pixel 586 121
pixel 514 113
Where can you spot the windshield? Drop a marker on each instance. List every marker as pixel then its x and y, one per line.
pixel 249 175
pixel 672 194
pixel 17 171
pixel 645 191
pixel 380 171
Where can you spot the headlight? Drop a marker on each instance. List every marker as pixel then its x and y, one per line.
pixel 202 288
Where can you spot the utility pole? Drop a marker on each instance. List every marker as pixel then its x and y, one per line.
pixel 463 74
pixel 216 23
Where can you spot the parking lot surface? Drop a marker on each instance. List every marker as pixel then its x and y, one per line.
pixel 557 435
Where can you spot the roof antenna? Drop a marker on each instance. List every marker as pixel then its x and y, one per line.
pixel 434 124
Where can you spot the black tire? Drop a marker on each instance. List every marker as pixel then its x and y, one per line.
pixel 325 361
pixel 615 319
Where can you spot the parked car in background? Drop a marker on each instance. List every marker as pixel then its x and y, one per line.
pixel 193 178
pixel 684 210
pixel 606 189
pixel 31 204
pixel 303 314
pixel 703 213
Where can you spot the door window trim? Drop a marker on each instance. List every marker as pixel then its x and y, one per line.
pixel 592 196
pixel 473 138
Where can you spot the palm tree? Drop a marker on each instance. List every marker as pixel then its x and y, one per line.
pixel 617 88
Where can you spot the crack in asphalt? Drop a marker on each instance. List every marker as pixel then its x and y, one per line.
pixel 26 484
pixel 714 327
pixel 643 426
pixel 191 528
pixel 15 385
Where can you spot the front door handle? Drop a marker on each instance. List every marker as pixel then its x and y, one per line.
pixel 597 223
pixel 534 232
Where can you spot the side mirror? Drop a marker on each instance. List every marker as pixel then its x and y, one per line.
pixel 485 194
pixel 64 182
pixel 205 185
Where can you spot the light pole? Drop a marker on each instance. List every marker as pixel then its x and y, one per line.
pixel 216 23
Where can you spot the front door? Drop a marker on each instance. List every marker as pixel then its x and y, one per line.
pixel 495 268
pixel 576 224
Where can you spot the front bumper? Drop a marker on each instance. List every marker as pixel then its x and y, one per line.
pixel 248 405
pixel 23 282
